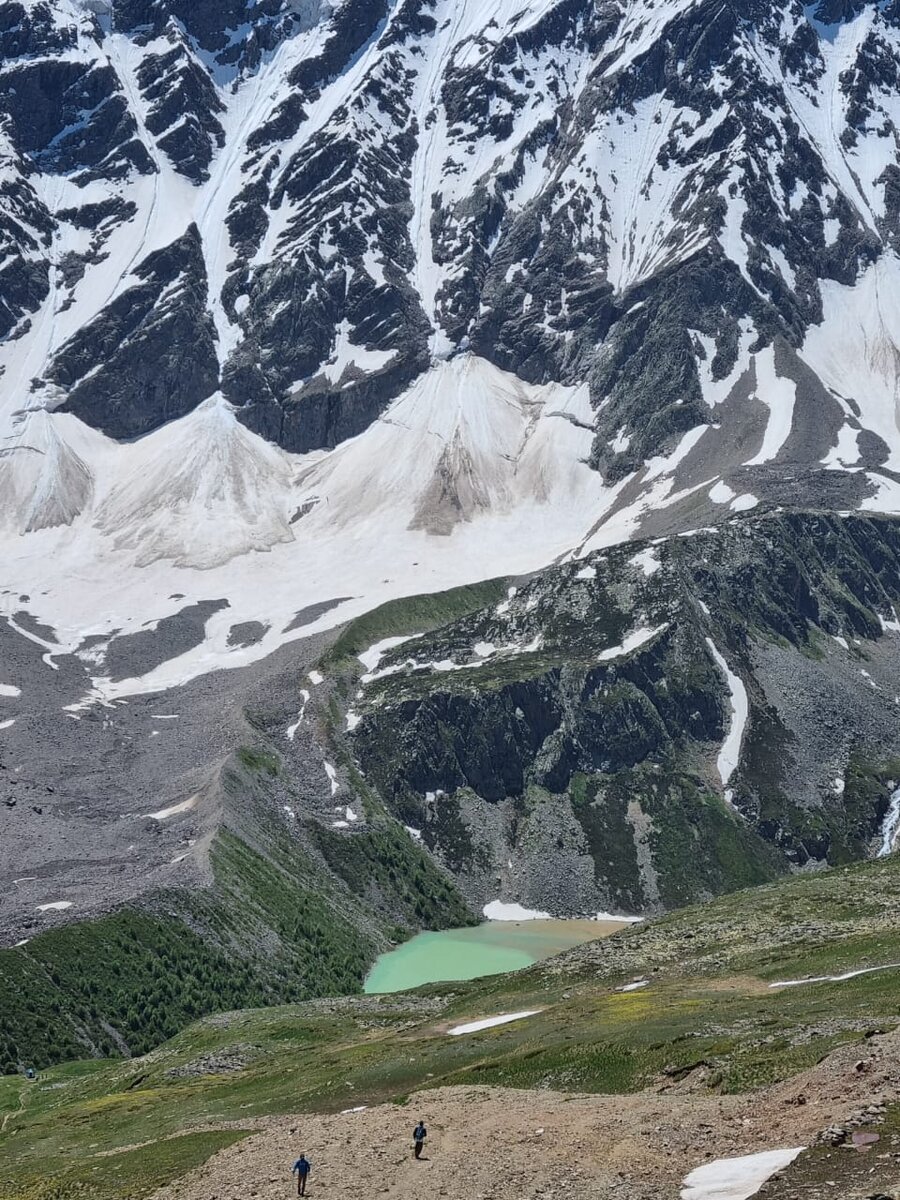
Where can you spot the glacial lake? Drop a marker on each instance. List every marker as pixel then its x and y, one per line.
pixel 488 949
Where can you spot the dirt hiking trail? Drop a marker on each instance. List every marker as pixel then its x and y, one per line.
pixel 498 1144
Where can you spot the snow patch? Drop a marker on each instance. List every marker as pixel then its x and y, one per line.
pixel 647 560
pixel 332 777
pixel 346 356
pixel 503 606
pixel 721 493
pixel 846 451
pixel 165 813
pixel 55 906
pixel 633 641
pixel 501 910
pixel 491 1022
pixel 8 689
pixel 744 503
pixel 778 394
pixel 736 1178
pixel 854 353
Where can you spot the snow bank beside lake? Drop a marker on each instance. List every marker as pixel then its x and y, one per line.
pixel 499 910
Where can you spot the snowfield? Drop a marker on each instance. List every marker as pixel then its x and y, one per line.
pixel 434 466
pixel 468 475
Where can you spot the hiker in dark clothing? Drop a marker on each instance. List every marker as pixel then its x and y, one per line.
pixel 302 1167
pixel 420 1133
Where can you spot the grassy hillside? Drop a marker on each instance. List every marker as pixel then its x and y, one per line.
pixel 707 1011
pixel 412 615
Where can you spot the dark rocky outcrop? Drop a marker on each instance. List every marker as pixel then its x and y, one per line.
pixel 589 713
pixel 150 355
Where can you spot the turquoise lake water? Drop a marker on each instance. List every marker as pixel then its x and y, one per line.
pixel 489 949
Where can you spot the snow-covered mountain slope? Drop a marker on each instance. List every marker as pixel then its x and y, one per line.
pixel 469 474
pixel 309 303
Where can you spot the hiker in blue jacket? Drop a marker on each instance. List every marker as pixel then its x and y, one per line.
pixel 420 1133
pixel 302 1168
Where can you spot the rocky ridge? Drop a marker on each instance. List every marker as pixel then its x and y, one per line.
pixel 661 717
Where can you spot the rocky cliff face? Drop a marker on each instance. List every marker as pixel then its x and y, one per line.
pixel 671 226
pixel 667 201
pixel 310 305
pixel 654 723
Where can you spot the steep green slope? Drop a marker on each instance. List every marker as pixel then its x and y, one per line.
pixel 272 928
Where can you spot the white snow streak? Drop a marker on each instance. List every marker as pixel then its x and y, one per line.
pixel 730 753
pixel 778 394
pixel 890 826
pixel 786 983
pixel 491 1022
pixel 372 657
pixel 291 730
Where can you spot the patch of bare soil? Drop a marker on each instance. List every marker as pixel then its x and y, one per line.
pixel 499 1144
